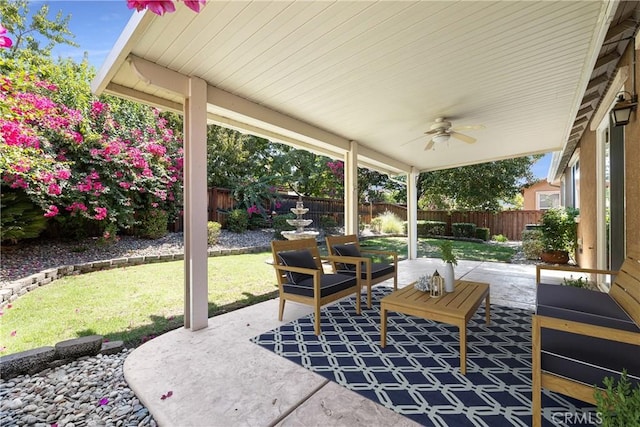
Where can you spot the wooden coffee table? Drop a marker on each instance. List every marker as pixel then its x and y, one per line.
pixel 455 308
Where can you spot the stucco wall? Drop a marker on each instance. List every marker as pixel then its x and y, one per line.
pixel 587 230
pixel 632 165
pixel 529 193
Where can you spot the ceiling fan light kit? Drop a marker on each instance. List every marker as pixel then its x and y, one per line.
pixel 441 138
pixel 442 132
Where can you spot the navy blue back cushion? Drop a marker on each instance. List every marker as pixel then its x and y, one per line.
pixel 303 259
pixel 347 250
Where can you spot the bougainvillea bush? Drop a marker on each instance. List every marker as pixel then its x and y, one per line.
pixel 103 165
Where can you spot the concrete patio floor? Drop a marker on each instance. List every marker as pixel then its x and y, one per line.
pixel 219 378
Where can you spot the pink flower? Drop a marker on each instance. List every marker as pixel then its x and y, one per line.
pixel 157 149
pixel 98 107
pixel 195 4
pixel 77 206
pixel 13 333
pixel 54 189
pixel 63 174
pixel 101 213
pixel 5 41
pixel 51 211
pixel 124 185
pixel 103 401
pixel 159 7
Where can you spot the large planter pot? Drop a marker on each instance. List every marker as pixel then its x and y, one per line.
pixel 555 257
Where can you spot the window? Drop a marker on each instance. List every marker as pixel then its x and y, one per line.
pixel 547 200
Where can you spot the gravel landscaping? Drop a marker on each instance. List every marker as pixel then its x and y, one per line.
pixel 32 257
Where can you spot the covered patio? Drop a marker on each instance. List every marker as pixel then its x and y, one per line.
pixel 219 377
pixel 361 82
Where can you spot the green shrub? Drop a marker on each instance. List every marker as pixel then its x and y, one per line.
pixel 580 282
pixel 499 238
pixel 213 232
pixel 257 222
pixel 532 243
pixel 483 233
pixel 280 224
pixel 431 228
pixel 328 221
pixel 20 218
pixel 618 403
pixel 463 229
pixel 376 225
pixel 153 224
pixel 238 221
pixel 559 230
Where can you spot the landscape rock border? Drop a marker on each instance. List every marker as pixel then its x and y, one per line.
pixel 38 359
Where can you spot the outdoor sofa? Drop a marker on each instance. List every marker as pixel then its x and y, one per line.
pixel 581 336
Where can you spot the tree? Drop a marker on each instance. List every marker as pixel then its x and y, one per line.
pixel 25 41
pixel 477 187
pixel 232 156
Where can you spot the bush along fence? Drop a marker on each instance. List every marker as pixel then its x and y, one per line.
pixel 331 212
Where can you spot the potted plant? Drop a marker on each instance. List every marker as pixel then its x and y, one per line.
pixel 449 258
pixel 559 235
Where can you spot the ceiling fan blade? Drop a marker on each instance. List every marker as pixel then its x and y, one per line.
pixel 463 137
pixel 429 132
pixel 469 127
pixel 429 145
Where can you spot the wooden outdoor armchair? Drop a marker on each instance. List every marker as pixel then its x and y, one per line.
pixel 345 250
pixel 581 336
pixel 298 267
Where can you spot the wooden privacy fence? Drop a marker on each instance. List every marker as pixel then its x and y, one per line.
pixel 507 223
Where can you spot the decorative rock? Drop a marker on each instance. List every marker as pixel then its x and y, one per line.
pixel 111 347
pixel 56 398
pixel 78 347
pixel 29 361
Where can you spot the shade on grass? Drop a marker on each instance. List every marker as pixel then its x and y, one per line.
pixel 132 304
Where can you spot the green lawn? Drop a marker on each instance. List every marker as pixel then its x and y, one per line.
pixel 131 304
pixel 429 248
pixel 135 304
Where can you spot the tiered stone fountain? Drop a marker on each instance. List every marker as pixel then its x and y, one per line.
pixel 299 223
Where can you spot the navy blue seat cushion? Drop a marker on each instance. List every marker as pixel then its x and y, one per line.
pixel 586 359
pixel 303 259
pixel 377 270
pixel 582 305
pixel 347 250
pixel 329 285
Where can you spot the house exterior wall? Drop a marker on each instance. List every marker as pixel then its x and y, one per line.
pixel 587 229
pixel 529 193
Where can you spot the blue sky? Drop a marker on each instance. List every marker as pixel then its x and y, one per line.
pixel 97 25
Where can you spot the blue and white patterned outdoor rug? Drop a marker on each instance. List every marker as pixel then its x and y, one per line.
pixel 417 374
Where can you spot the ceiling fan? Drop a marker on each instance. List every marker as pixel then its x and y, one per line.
pixel 441 130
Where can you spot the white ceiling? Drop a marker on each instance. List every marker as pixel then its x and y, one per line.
pixel 379 73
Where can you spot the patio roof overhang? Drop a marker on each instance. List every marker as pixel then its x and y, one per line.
pixel 318 75
pixel 359 81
